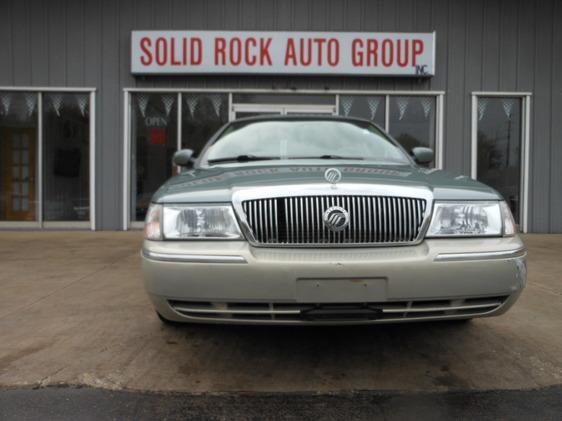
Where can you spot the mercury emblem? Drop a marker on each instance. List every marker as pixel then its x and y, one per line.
pixel 336 218
pixel 332 175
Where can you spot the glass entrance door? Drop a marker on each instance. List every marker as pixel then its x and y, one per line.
pixel 18 158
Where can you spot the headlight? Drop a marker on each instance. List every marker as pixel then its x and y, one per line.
pixel 209 222
pixel 468 219
pixel 509 227
pixel 184 222
pixel 153 223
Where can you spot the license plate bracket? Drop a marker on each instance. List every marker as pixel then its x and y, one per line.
pixel 341 290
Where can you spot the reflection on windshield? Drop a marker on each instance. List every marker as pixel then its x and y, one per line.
pixel 304 139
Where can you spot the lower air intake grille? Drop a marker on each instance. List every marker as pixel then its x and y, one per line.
pixel 303 312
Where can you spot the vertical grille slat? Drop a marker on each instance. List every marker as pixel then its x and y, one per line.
pixel 306 221
pixel 373 219
pixel 398 218
pixel 394 220
pixel 255 218
pixel 379 220
pixel 291 221
pixel 331 234
pixel 315 237
pixel 347 231
pixel 274 229
pixel 385 226
pixel 286 209
pixel 353 223
pixel 263 220
pixel 415 213
pixel 298 220
pixel 408 220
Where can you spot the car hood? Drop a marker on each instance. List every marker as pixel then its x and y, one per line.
pixel 217 184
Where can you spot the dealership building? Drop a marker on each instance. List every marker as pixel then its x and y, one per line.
pixel 96 96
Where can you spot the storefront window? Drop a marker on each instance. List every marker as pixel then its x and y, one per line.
pixel 276 98
pixel 18 156
pixel 247 114
pixel 202 115
pixel 499 147
pixel 369 107
pixel 66 165
pixel 154 130
pixel 412 120
pixel 64 156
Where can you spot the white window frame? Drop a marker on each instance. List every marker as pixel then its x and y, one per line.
pixel 282 109
pixel 126 219
pixel 40 222
pixel 525 144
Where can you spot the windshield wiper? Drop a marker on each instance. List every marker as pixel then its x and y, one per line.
pixel 328 157
pixel 249 158
pixel 242 158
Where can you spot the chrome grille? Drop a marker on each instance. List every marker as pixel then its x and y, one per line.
pixel 299 220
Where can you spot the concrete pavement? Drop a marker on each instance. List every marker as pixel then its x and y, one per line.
pixel 73 311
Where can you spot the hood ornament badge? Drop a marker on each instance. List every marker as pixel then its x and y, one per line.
pixel 332 176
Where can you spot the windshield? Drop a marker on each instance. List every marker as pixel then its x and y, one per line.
pixel 256 140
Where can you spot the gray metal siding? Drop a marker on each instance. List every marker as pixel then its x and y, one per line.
pixel 542 127
pixel 492 45
pixel 555 193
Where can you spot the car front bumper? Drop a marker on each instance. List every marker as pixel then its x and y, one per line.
pixel 233 282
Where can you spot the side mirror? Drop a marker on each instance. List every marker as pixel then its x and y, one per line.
pixel 423 155
pixel 183 158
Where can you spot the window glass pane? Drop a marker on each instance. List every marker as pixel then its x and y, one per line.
pixel 368 107
pixel 243 114
pixel 202 115
pixel 257 98
pixel 153 143
pixel 499 147
pixel 18 156
pixel 66 162
pixel 294 111
pixel 412 121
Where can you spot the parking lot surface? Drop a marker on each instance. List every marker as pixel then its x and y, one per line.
pixel 69 403
pixel 73 312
